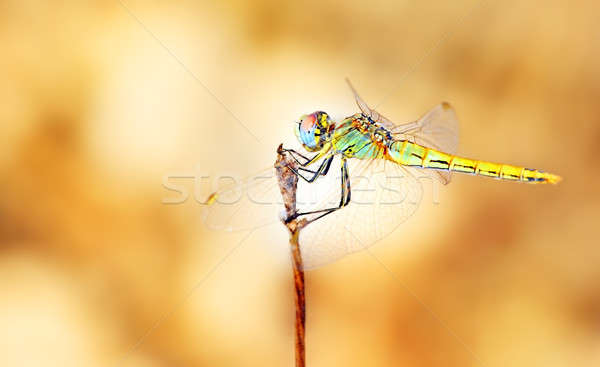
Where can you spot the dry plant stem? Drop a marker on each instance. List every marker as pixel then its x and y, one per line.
pixel 288 183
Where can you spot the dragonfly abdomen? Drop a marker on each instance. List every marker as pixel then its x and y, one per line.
pixel 411 154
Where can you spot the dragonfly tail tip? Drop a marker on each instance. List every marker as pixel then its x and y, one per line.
pixel 553 179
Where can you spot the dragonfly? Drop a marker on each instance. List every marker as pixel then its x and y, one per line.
pixel 383 167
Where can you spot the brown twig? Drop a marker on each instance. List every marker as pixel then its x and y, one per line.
pixel 288 183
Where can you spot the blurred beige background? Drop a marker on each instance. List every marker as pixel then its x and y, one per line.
pixel 95 112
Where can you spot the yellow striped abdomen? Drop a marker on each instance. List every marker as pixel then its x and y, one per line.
pixel 410 154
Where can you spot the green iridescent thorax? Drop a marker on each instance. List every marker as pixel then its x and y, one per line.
pixel 357 137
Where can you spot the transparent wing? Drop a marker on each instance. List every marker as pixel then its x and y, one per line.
pixel 383 196
pixel 374 115
pixel 437 129
pixel 244 204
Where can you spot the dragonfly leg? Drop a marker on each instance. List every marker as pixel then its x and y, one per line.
pixel 325 171
pixel 345 197
pixel 321 171
pixel 314 172
pixel 293 152
pixel 306 170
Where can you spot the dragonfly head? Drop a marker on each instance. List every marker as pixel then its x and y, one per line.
pixel 314 130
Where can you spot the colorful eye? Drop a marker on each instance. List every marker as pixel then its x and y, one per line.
pixel 308 122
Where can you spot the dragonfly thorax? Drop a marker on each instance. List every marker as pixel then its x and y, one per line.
pixel 314 130
pixel 366 125
pixel 378 134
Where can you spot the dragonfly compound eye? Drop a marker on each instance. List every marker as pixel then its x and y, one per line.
pixel 309 131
